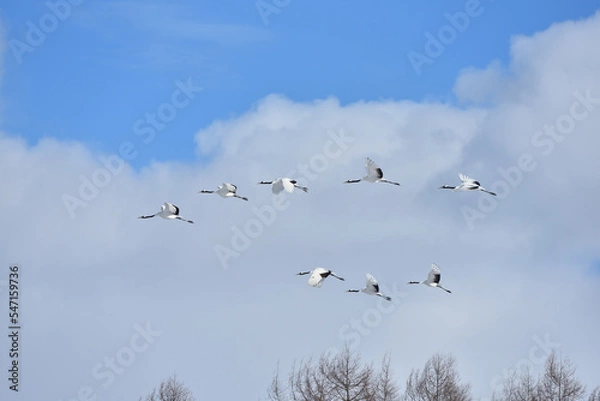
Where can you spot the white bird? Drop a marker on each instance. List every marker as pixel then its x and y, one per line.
pixel 167 211
pixel 226 190
pixel 286 184
pixel 372 288
pixel 433 278
pixel 467 184
pixel 374 174
pixel 318 275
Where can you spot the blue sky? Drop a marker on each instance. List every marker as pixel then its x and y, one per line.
pixel 109 63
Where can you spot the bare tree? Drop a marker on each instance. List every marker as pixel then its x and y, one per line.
pixel 170 390
pixel 517 387
pixel 349 379
pixel 341 377
pixel 386 389
pixel 595 394
pixel 276 391
pixel 309 382
pixel 438 381
pixel 558 382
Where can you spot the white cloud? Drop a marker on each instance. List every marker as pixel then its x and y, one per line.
pixel 171 20
pixel 523 271
pixel 481 85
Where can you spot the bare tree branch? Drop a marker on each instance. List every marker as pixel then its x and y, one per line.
pixel 170 389
pixel 517 387
pixel 558 383
pixel 595 394
pixel 438 381
pixel 343 377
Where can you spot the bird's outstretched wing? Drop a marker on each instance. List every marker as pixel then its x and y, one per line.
pixel 319 270
pixel 372 283
pixel 315 279
pixel 464 178
pixel 230 187
pixel 277 186
pixel 435 274
pixel 373 170
pixel 287 185
pixel 172 208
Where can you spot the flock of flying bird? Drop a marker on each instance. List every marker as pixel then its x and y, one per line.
pixel 374 175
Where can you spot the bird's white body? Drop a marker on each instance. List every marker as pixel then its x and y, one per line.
pixel 226 190
pixel 284 184
pixel 318 275
pixel 372 288
pixel 467 184
pixel 374 174
pixel 433 278
pixel 167 211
